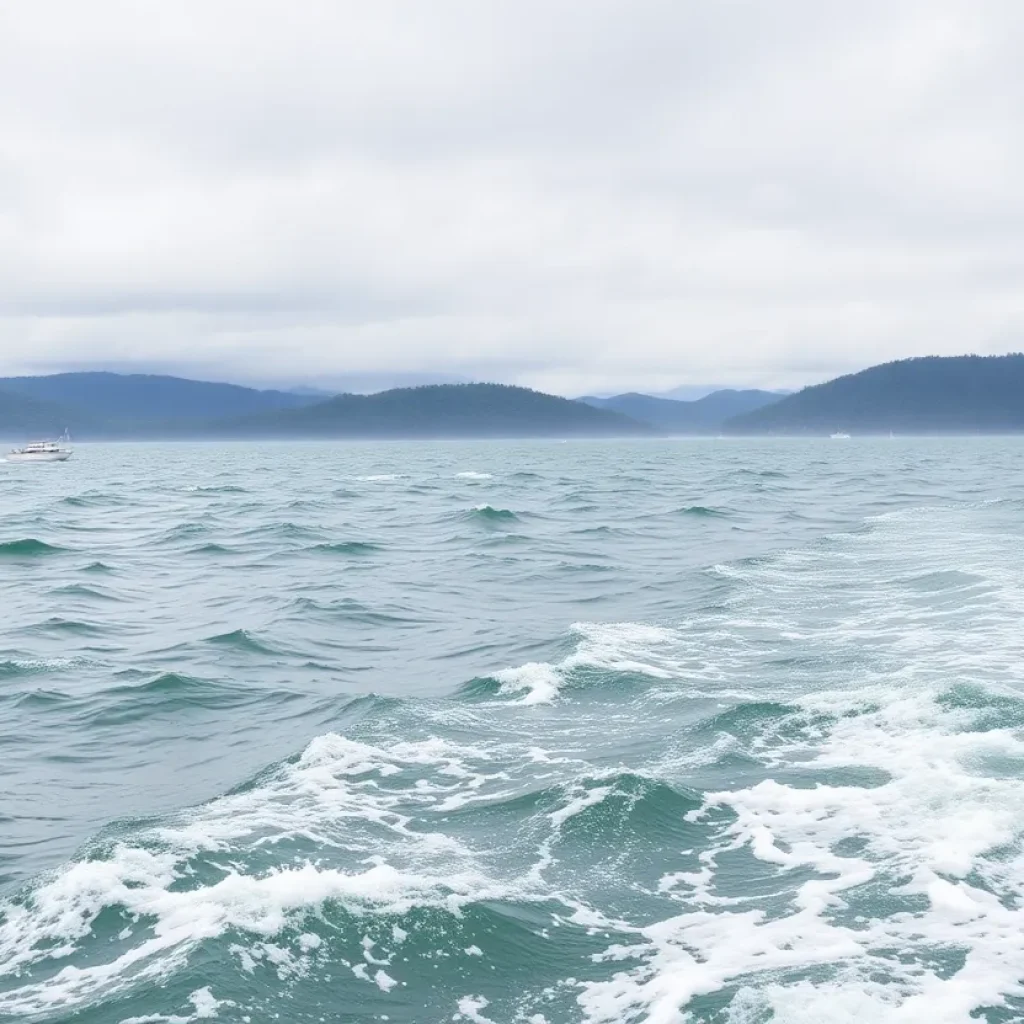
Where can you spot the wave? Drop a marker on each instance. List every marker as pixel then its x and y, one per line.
pixel 173 692
pixel 211 548
pixel 704 512
pixel 144 892
pixel 541 682
pixel 33 666
pixel 29 547
pixel 167 682
pixel 471 475
pixel 495 540
pixel 40 700
pixel 600 531
pixel 584 567
pixel 607 806
pixel 765 474
pixel 241 640
pixel 80 590
pixel 350 547
pixel 589 811
pixel 217 489
pixel 184 531
pixel 284 531
pixel 761 724
pixel 98 567
pixel 489 514
pixel 140 901
pixel 944 579
pixel 350 610
pixel 623 652
pixel 58 624
pixel 97 499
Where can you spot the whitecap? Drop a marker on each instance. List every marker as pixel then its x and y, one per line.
pixel 541 681
pixel 903 894
pixel 384 981
pixel 334 787
pixel 204 1007
pixel 471 1008
pixel 620 647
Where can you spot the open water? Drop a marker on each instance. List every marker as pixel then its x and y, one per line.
pixel 706 731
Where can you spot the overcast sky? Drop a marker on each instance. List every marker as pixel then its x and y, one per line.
pixel 578 196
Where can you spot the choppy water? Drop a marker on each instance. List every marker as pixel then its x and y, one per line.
pixel 662 731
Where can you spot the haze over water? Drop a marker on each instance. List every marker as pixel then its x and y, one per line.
pixel 718 731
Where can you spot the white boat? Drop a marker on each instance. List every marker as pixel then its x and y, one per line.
pixel 43 451
pixel 840 436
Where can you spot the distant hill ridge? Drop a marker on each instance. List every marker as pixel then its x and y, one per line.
pixel 442 410
pixel 138 397
pixel 21 415
pixel 960 394
pixel 108 405
pixel 930 394
pixel 702 416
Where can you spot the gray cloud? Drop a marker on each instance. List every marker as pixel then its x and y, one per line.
pixel 576 196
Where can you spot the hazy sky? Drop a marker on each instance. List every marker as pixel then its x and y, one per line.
pixel 578 196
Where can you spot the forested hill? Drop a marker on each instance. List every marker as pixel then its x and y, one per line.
pixel 439 410
pixel 22 417
pixel 436 410
pixel 934 394
pixel 138 397
pixel 963 394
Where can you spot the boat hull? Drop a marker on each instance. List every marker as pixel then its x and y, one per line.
pixel 38 456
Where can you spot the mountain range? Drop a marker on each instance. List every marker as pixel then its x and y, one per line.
pixel 965 394
pixel 109 405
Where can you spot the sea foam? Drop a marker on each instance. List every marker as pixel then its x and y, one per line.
pixel 916 878
pixel 336 794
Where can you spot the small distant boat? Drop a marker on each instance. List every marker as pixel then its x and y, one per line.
pixel 43 451
pixel 840 436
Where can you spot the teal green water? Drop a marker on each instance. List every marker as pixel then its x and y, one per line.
pixel 658 731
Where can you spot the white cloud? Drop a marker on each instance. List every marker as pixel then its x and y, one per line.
pixel 573 195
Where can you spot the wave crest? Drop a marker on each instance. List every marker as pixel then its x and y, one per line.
pixel 29 547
